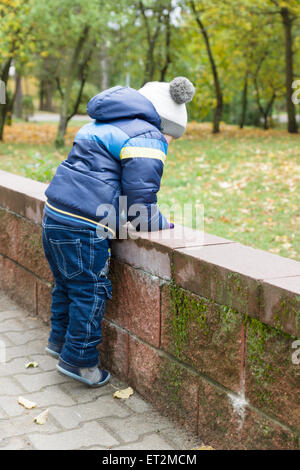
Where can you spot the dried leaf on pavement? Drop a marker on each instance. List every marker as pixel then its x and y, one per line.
pixel 125 393
pixel 31 364
pixel 26 403
pixel 42 417
pixel 204 448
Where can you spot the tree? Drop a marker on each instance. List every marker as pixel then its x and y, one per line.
pixel 16 40
pixel 73 30
pixel 288 12
pixel 219 95
pixel 75 68
pixel 256 37
pixel 156 18
pixel 287 20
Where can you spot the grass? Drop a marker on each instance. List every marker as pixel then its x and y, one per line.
pixel 248 181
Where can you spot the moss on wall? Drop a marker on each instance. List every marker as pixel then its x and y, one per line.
pixel 191 314
pixel 268 361
pixel 288 311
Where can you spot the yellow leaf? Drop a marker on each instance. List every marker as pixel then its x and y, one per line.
pixel 204 448
pixel 42 417
pixel 26 403
pixel 31 364
pixel 125 393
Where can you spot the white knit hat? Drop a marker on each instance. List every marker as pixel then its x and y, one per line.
pixel 169 101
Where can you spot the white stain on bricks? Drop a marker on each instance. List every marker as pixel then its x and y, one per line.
pixel 187 272
pixel 239 404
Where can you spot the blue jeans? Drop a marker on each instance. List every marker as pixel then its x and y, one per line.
pixel 79 261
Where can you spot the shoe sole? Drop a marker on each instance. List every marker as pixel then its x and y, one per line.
pixel 82 379
pixel 52 353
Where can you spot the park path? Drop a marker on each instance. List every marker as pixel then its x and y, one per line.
pixel 79 417
pixel 43 116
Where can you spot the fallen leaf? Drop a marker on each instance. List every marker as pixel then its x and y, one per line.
pixel 42 417
pixel 125 393
pixel 224 219
pixel 224 184
pixel 31 364
pixel 204 448
pixel 26 403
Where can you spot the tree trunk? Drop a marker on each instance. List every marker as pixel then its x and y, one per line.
pixel 219 96
pixel 218 111
pixel 163 71
pixel 2 119
pixel 244 102
pixel 265 112
pixel 104 67
pixel 266 123
pixel 61 131
pixel 289 74
pixel 48 104
pixel 4 107
pixel 150 64
pixel 18 96
pixel 149 70
pixel 71 74
pixel 42 94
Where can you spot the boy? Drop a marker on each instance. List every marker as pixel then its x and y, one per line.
pixel 121 153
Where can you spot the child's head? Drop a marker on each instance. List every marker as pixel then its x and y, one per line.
pixel 169 101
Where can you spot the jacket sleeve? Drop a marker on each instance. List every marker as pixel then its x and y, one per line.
pixel 142 162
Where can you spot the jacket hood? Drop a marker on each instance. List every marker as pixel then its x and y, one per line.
pixel 122 103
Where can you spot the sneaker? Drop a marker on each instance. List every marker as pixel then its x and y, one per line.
pixel 92 376
pixel 54 349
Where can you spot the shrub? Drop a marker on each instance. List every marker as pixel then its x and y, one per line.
pixel 27 107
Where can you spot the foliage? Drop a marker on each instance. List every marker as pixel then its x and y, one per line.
pixel 89 91
pixel 27 107
pixel 138 40
pixel 248 181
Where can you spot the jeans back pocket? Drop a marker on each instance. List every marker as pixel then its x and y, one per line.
pixel 67 254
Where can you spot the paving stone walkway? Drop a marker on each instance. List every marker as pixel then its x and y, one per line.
pixel 79 417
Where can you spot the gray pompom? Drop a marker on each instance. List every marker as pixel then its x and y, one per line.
pixel 181 90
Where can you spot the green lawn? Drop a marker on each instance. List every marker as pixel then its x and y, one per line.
pixel 248 181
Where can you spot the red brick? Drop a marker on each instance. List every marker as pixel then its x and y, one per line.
pixel 230 273
pixel 281 304
pixel 114 349
pixel 30 249
pixel 143 254
pixel 223 428
pixel 152 251
pixel 136 302
pixel 44 300
pixel 22 195
pixel 170 387
pixel 8 234
pixel 272 380
pixel 181 237
pixel 18 283
pixel 204 335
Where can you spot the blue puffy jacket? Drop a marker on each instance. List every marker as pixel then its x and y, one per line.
pixel 121 153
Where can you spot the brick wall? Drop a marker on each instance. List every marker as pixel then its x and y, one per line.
pixel 204 329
